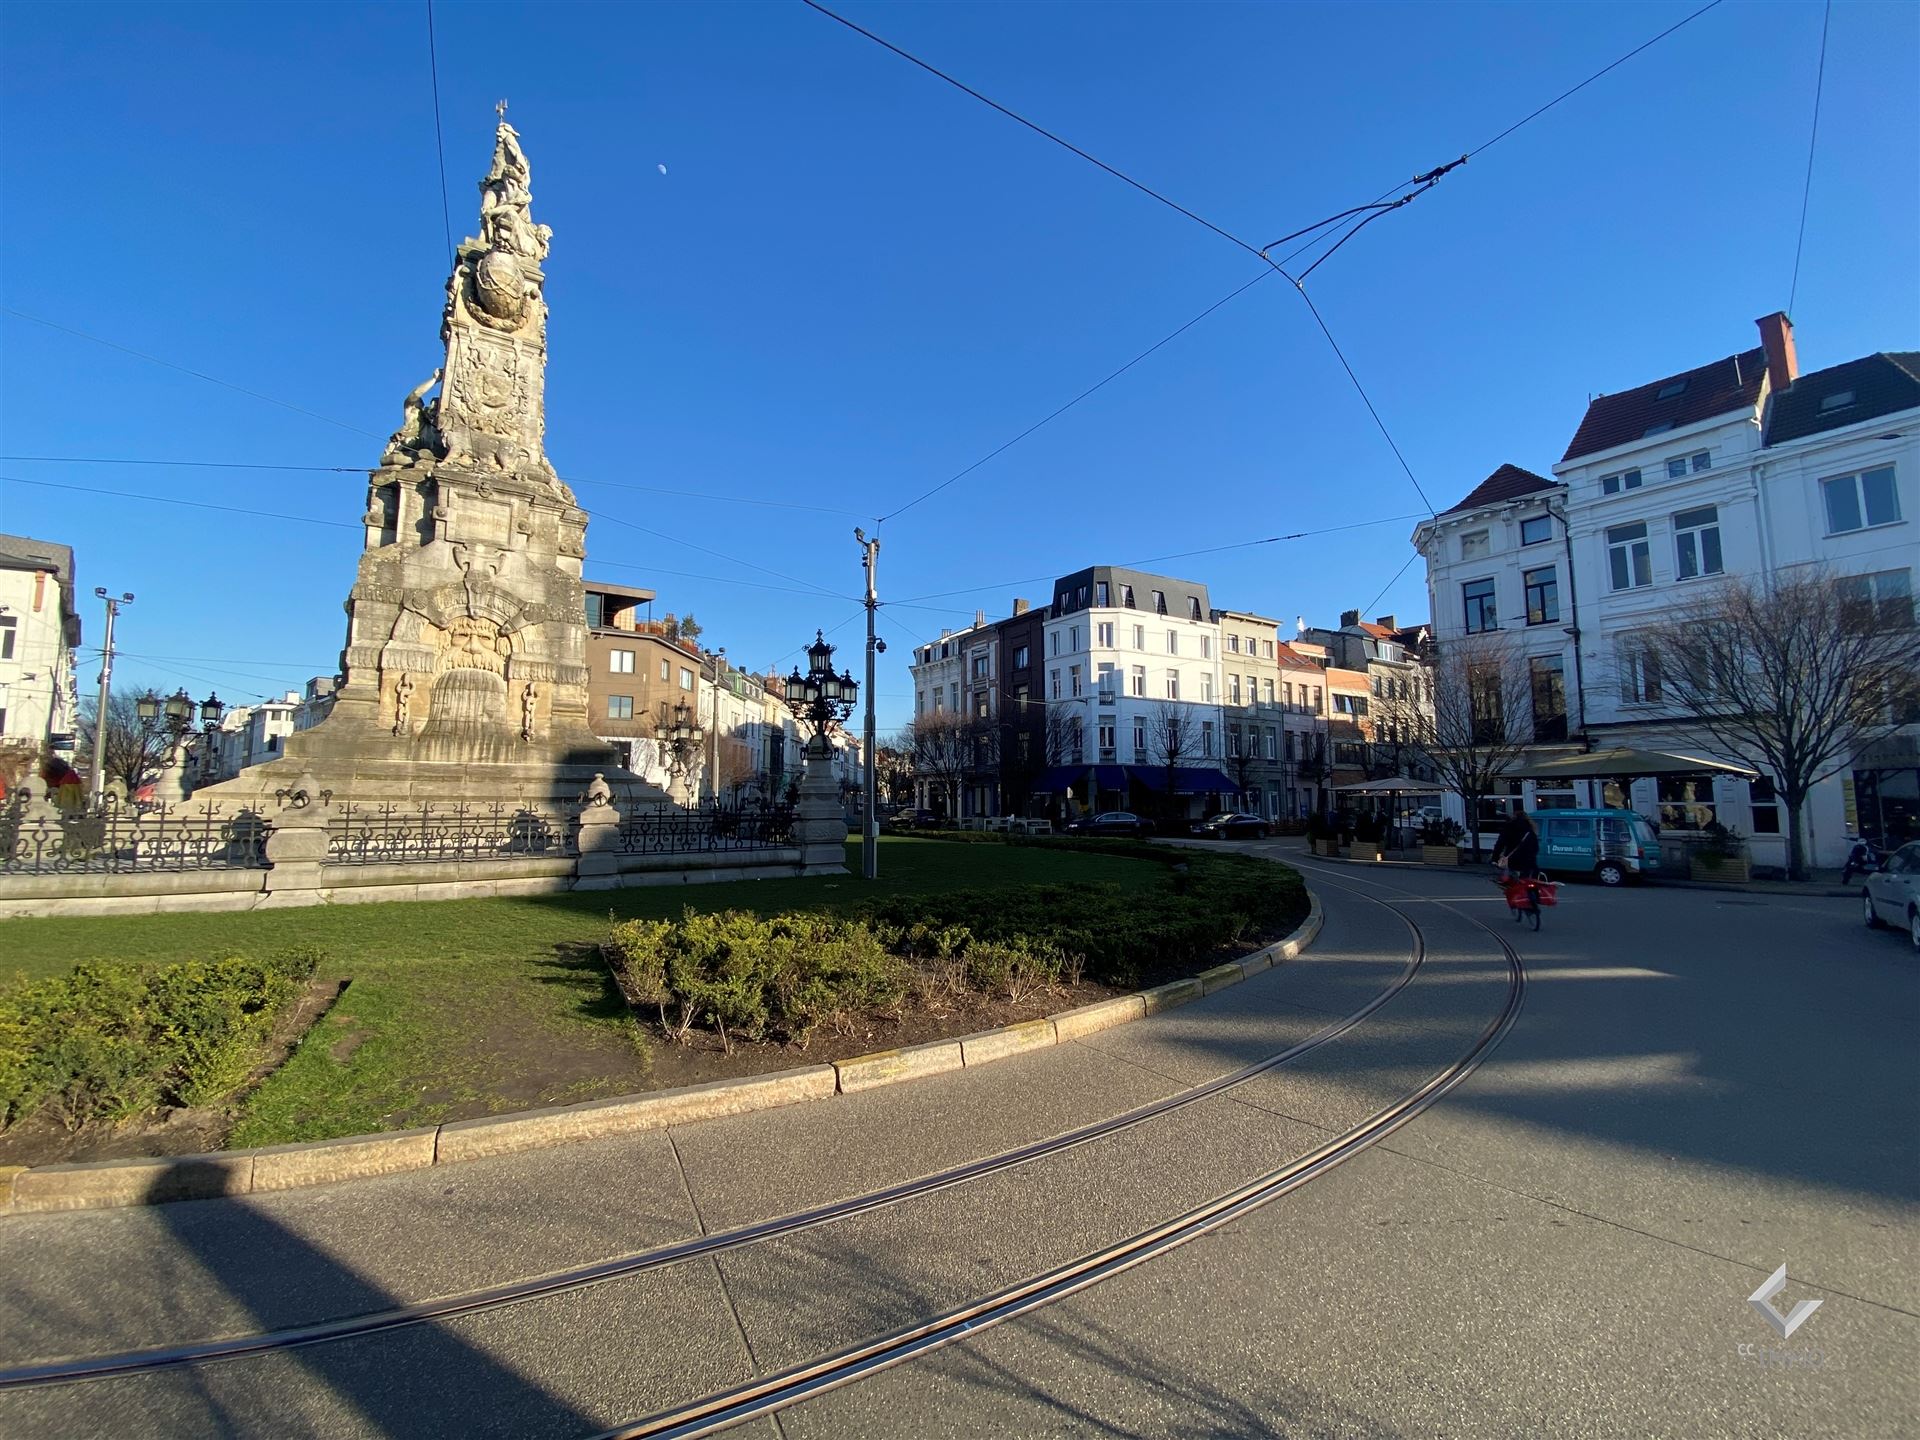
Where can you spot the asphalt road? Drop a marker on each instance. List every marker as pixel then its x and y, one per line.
pixel 1701 1086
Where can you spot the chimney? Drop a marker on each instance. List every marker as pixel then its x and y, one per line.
pixel 1349 617
pixel 1776 338
pixel 979 618
pixel 1386 622
pixel 1020 607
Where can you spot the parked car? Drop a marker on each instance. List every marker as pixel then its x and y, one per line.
pixel 1613 846
pixel 1232 826
pixel 1891 895
pixel 921 820
pixel 1114 822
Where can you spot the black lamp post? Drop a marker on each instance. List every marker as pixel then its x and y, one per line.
pixel 821 698
pixel 174 715
pixel 680 732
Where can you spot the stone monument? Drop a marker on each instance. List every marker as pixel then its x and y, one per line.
pixel 465 671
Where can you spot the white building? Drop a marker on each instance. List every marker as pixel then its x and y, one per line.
pixel 39 630
pixel 1738 467
pixel 249 735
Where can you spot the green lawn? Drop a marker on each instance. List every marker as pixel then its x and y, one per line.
pixel 449 1001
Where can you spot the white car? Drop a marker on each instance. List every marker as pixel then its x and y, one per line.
pixel 1891 894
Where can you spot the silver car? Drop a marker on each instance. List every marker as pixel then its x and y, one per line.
pixel 1891 895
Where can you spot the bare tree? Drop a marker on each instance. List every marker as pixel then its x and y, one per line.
pixel 1243 757
pixel 1173 734
pixel 940 745
pixel 1066 736
pixel 1793 675
pixel 134 755
pixel 1478 723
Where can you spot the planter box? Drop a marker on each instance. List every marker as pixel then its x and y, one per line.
pixel 1365 850
pixel 1735 869
pixel 1440 855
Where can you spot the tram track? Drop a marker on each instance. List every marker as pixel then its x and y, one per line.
pixel 721 1410
pixel 150 1359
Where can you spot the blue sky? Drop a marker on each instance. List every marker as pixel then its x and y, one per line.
pixel 852 281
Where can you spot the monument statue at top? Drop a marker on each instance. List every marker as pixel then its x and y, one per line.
pixel 465 662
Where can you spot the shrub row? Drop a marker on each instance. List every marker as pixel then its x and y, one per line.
pixel 111 1040
pixel 782 976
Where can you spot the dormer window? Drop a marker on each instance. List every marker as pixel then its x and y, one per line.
pixel 1671 390
pixel 1658 429
pixel 1835 401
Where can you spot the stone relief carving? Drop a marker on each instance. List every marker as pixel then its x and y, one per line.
pixel 402 703
pixel 473 642
pixel 528 697
pixel 417 427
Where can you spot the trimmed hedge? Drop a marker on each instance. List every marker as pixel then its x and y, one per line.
pixel 781 977
pixel 112 1040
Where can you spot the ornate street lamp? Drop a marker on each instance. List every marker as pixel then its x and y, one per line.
pixel 680 736
pixel 821 699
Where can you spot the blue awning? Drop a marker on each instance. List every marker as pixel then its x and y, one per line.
pixel 1187 780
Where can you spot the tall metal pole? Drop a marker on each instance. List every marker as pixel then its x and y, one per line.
pixel 99 779
pixel 869 822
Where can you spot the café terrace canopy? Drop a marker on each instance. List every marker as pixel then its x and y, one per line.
pixel 1392 785
pixel 1622 762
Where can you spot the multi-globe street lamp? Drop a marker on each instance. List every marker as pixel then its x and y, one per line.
pixel 820 698
pixel 175 716
pixel 680 736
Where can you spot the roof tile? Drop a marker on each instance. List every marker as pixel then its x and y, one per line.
pixel 1723 387
pixel 1879 384
pixel 1509 482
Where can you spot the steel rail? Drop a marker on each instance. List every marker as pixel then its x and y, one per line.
pixel 134 1362
pixel 726 1408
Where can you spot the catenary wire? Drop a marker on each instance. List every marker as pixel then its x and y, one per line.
pixel 1813 138
pixel 571 479
pixel 439 139
pixel 347 525
pixel 186 370
pixel 1037 129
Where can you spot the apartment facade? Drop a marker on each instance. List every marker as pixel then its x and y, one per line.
pixel 1305 760
pixel 39 632
pixel 1254 714
pixel 1740 467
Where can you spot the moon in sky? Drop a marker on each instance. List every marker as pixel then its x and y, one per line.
pixel 663 169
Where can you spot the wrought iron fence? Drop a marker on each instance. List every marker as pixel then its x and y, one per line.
pixel 413 834
pixel 669 830
pixel 122 838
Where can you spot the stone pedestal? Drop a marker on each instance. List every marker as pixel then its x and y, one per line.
pixel 599 867
pixel 820 821
pixel 296 847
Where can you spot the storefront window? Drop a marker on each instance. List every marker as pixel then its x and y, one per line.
pixel 1686 802
pixel 1765 805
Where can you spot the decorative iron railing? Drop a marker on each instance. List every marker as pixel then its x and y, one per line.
pixel 122 838
pixel 667 830
pixel 416 834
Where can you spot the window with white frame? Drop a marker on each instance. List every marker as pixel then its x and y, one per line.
pixel 1126 596
pixel 1073 638
pixel 1137 681
pixel 1266 649
pixel 1139 740
pixel 1696 543
pixel 980 665
pixel 1020 657
pixel 1474 544
pixel 1629 556
pixel 1266 687
pixel 686 678
pixel 1053 642
pixel 1625 480
pixel 1109 682
pixel 1233 689
pixel 1860 501
pixel 619 662
pixel 1543 595
pixel 1233 644
pixel 666 670
pixel 1159 602
pixel 1173 684
pixel 1106 740
pixel 1193 607
pixel 1173 642
pixel 1101 592
pixel 1639 669
pixel 1763 805
pixel 1206 647
pixel 1105 630
pixel 1139 637
pixel 1273 744
pixel 1676 467
pixel 1053 683
pixel 1206 739
pixel 1535 529
pixel 620 707
pixel 1206 689
pixel 1882 597
pixel 1073 681
pixel 1476 598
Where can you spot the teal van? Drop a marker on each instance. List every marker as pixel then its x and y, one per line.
pixel 1610 845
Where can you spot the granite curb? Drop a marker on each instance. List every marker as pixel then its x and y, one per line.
pixel 108 1184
